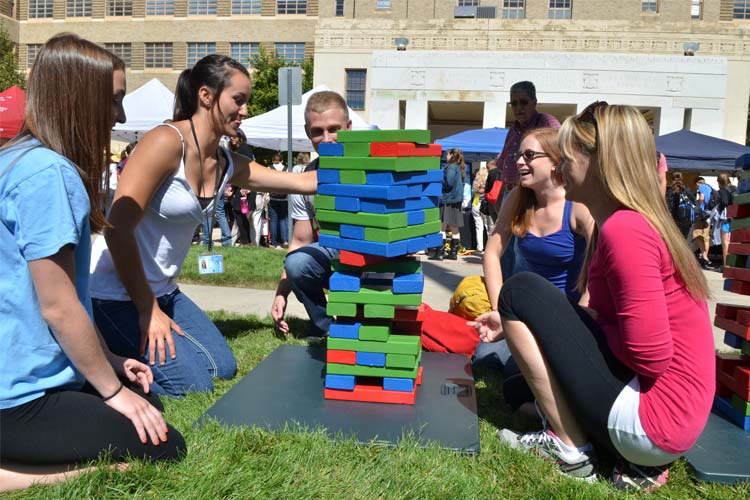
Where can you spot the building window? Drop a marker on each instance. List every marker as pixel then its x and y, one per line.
pixel 741 9
pixel 383 5
pixel 119 8
pixel 78 8
pixel 649 6
pixel 198 50
pixel 122 50
pixel 291 52
pixel 32 50
pixel 243 52
pixel 560 9
pixel 356 80
pixel 514 9
pixel 40 9
pixel 159 55
pixel 339 8
pixel 201 7
pixel 468 3
pixel 159 7
pixel 240 7
pixel 291 6
pixel 696 9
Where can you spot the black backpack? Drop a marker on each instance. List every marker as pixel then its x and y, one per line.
pixel 683 209
pixel 712 201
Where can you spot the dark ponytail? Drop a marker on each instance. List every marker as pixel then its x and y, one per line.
pixel 212 72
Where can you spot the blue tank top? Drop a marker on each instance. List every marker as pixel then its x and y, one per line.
pixel 557 256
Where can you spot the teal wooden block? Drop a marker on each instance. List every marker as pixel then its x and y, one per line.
pixel 408 135
pixel 389 164
pixel 384 297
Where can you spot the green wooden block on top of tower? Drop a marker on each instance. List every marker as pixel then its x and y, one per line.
pixel 416 136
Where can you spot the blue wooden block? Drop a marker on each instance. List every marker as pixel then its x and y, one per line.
pixel 432 189
pixel 339 330
pixel 728 285
pixel 364 191
pixel 330 149
pixel 733 340
pixel 341 382
pixel 413 190
pixel 341 282
pixel 408 283
pixel 398 384
pixel 353 232
pixel 417 245
pixel 397 178
pixel 434 240
pixel 414 218
pixel 367 247
pixel 724 406
pixel 328 176
pixel 382 206
pixel 422 203
pixel 371 358
pixel 346 204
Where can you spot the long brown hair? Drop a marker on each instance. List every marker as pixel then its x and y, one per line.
pixel 526 202
pixel 456 156
pixel 68 110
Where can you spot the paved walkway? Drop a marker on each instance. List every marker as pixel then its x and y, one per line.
pixel 441 278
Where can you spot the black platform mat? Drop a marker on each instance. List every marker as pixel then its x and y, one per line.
pixel 722 453
pixel 286 389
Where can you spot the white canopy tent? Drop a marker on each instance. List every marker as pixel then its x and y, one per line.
pixel 269 130
pixel 145 107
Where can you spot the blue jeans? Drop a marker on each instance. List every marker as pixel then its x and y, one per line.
pixel 277 213
pixel 221 220
pixel 308 269
pixel 201 354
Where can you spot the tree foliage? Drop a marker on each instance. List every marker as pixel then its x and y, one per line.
pixel 9 73
pixel 265 94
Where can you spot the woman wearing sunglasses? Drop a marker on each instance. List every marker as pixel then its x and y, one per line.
pixel 634 373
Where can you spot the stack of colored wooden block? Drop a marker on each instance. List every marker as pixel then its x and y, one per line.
pixel 733 370
pixel 377 202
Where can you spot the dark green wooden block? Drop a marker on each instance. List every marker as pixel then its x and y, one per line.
pixel 357 149
pixel 369 296
pixel 325 202
pixel 388 221
pixel 741 199
pixel 387 164
pixel 371 371
pixel 394 360
pixel 397 344
pixel 329 228
pixel 737 224
pixel 389 235
pixel 340 309
pixel 353 177
pixel 431 215
pixel 740 404
pixel 376 333
pixel 409 135
pixel 379 311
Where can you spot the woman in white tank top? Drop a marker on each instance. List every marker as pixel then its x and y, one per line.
pixel 168 188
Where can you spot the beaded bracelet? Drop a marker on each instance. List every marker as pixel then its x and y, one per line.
pixel 114 393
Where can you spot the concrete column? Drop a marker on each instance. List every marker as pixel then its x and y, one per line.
pixel 494 114
pixel 670 120
pixel 416 114
pixel 383 111
pixel 709 122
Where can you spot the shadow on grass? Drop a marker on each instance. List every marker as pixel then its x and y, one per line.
pixel 238 327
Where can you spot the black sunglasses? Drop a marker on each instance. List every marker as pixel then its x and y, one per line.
pixel 528 155
pixel 588 115
pixel 522 102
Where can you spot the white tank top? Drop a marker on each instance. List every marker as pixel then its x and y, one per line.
pixel 164 235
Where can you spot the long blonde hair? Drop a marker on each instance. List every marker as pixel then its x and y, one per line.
pixel 623 146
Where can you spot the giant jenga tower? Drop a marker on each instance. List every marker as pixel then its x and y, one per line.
pixel 378 194
pixel 733 370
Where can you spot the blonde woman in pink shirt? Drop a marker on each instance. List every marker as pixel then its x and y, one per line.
pixel 633 373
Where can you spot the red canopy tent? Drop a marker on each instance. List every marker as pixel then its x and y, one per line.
pixel 12 103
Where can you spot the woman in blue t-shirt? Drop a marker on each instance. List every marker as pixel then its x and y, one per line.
pixel 64 398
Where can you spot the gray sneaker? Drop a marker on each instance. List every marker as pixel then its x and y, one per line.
pixel 546 445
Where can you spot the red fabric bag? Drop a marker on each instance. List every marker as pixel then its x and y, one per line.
pixel 446 332
pixel 494 195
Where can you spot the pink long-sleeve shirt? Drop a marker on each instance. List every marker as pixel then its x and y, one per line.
pixel 656 328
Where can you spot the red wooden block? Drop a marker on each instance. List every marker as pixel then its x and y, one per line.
pixel 372 392
pixel 741 287
pixel 406 327
pixel 409 314
pixel 405 149
pixel 737 273
pixel 739 248
pixel 740 314
pixel 738 211
pixel 740 235
pixel 359 259
pixel 733 372
pixel 343 357
pixel 723 391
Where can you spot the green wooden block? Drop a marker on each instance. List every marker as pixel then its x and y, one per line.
pixel 357 149
pixel 325 202
pixel 376 333
pixel 431 215
pixel 384 163
pixel 741 199
pixel 353 177
pixel 371 371
pixel 400 360
pixel 746 348
pixel 379 311
pixel 389 235
pixel 737 224
pixel 329 228
pixel 740 404
pixel 411 266
pixel 737 261
pixel 396 344
pixel 409 135
pixel 388 221
pixel 340 309
pixel 369 296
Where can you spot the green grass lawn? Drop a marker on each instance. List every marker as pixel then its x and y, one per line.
pixel 246 267
pixel 250 463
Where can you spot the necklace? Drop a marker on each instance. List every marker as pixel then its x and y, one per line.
pixel 209 219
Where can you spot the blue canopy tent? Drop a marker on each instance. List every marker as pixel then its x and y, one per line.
pixel 477 145
pixel 686 150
